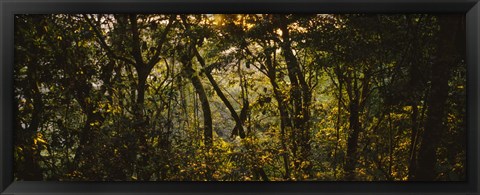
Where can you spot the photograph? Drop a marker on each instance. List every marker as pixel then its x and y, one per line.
pixel 240 97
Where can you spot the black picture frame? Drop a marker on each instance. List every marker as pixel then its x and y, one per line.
pixel 8 8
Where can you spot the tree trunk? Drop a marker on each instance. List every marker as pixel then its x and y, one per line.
pixel 238 129
pixel 352 142
pixel 337 129
pixel 440 74
pixel 140 101
pixel 207 114
pixel 301 97
pixel 285 121
pixel 413 142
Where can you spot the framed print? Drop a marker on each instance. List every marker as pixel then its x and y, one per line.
pixel 237 97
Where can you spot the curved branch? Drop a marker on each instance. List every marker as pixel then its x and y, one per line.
pixel 104 44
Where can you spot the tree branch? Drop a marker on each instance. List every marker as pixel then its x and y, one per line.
pixel 104 44
pixel 137 54
pixel 156 56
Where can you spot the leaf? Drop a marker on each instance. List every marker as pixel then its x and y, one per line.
pixel 42 141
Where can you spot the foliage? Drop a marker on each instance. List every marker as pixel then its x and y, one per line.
pixel 246 97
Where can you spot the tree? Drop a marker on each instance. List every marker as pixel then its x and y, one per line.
pixel 239 97
pixel 448 53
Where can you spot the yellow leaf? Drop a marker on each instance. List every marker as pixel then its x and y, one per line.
pixel 39 139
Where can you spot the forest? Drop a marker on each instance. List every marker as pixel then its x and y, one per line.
pixel 240 97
